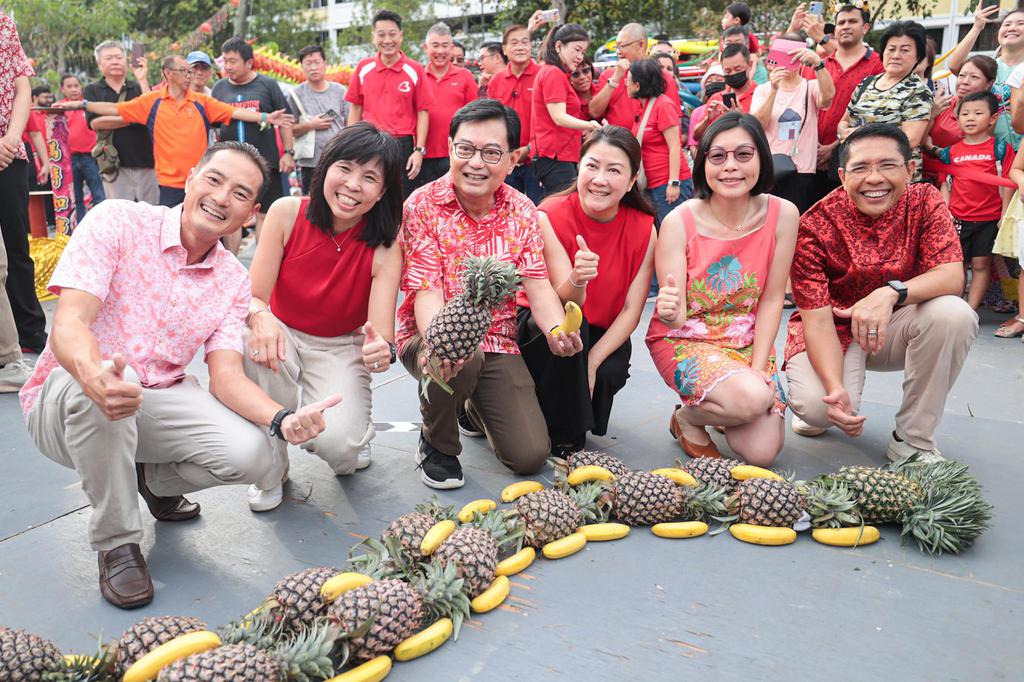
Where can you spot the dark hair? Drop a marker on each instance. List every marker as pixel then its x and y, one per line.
pixel 387 15
pixel 665 55
pixel 740 10
pixel 732 49
pixel 930 48
pixel 649 78
pixel 985 96
pixel 245 149
pixel 989 67
pixel 736 31
pixel 664 42
pixel 237 44
pixel 728 121
pixel 864 14
pixel 566 33
pixel 494 48
pixel 459 45
pixel 884 130
pixel 908 29
pixel 488 110
pixel 40 89
pixel 311 49
pixel 66 76
pixel 362 142
pixel 512 29
pixel 623 140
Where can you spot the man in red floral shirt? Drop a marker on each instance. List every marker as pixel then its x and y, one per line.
pixel 471 212
pixel 877 279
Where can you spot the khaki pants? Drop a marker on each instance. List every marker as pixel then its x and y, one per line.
pixel 187 439
pixel 502 398
pixel 10 348
pixel 928 341
pixel 134 184
pixel 316 367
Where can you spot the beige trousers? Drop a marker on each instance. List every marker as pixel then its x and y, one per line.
pixel 928 341
pixel 10 347
pixel 315 368
pixel 134 184
pixel 187 439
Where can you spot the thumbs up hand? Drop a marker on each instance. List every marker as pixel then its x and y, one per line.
pixel 667 306
pixel 584 267
pixel 376 350
pixel 308 422
pixel 116 398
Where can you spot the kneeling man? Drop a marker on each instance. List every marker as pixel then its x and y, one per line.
pixel 877 279
pixel 141 289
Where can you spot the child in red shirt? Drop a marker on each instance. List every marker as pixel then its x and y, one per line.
pixel 976 205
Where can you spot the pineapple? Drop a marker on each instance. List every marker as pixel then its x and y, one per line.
pixel 149 633
pixel 458 328
pixel 409 529
pixel 583 458
pixel 765 502
pixel 28 657
pixel 297 596
pixel 641 498
pixel 546 516
pixel 830 504
pixel 882 496
pixel 474 553
pixel 711 470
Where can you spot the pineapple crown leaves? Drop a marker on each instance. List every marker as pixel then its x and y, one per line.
pixel 382 559
pixel 307 654
pixel 944 474
pixel 594 500
pixel 830 503
pixel 706 501
pixel 497 524
pixel 262 629
pixel 98 667
pixel 948 519
pixel 441 589
pixel 435 510
pixel 488 282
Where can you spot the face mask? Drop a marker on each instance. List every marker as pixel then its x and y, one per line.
pixel 736 80
pixel 713 88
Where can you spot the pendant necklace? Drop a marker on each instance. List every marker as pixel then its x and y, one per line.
pixel 722 222
pixel 338 244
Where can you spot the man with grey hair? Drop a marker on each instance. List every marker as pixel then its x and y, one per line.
pixel 126 161
pixel 612 102
pixel 454 87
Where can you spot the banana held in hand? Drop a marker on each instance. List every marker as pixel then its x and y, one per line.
pixel 572 322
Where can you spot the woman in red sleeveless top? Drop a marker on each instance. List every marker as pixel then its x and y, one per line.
pixel 599 248
pixel 324 289
pixel 722 260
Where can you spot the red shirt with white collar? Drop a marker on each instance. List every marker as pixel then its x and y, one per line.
pixel 452 91
pixel 391 96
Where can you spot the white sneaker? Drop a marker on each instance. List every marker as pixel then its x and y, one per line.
pixel 264 500
pixel 899 449
pixel 363 458
pixel 13 376
pixel 802 428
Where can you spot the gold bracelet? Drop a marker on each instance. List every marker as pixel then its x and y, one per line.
pixel 249 318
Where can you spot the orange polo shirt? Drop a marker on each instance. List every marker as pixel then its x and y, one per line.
pixel 177 129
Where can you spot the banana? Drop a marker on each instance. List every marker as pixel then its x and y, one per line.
pixel 846 537
pixel 680 476
pixel 150 665
pixel 513 492
pixel 589 473
pixel 337 585
pixel 570 544
pixel 600 532
pixel 763 535
pixel 435 536
pixel 520 561
pixel 482 506
pixel 744 471
pixel 374 670
pixel 493 596
pixel 680 529
pixel 424 641
pixel 572 322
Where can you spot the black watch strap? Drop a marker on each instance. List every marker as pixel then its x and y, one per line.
pixel 901 290
pixel 394 352
pixel 275 424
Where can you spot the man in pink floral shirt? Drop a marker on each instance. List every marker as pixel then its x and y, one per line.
pixel 471 212
pixel 141 289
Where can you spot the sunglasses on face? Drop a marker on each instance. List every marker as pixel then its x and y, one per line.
pixel 583 71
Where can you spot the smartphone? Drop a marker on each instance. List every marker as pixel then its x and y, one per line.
pixel 779 54
pixel 138 52
pixel 550 15
pixel 331 113
pixel 816 8
pixel 729 99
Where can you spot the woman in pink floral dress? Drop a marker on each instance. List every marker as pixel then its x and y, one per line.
pixel 722 261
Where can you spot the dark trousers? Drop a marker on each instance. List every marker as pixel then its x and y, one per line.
pixel 524 180
pixel 86 171
pixel 824 182
pixel 405 145
pixel 35 186
pixel 798 188
pixel 432 169
pixel 553 175
pixel 21 271
pixel 306 176
pixel 563 384
pixel 662 207
pixel 171 196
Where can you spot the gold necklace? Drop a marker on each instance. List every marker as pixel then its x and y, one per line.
pixel 722 222
pixel 338 244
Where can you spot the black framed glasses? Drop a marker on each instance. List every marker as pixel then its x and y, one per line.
pixel 718 155
pixel 491 155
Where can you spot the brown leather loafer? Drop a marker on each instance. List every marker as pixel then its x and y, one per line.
pixel 124 577
pixel 690 448
pixel 175 508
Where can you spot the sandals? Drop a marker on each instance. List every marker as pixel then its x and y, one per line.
pixel 1004 329
pixel 691 449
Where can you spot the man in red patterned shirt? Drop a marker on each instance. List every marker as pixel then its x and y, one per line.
pixel 877 279
pixel 471 212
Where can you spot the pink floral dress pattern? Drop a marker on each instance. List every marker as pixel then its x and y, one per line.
pixel 724 280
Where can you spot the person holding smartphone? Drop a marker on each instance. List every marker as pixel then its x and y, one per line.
pixel 738 67
pixel 320 108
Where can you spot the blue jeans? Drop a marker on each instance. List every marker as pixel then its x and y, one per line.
pixel 661 205
pixel 85 171
pixel 524 180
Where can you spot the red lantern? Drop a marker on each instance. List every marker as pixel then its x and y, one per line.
pixel 205 27
pixel 234 3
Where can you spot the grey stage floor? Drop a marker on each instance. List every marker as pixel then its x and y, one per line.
pixel 640 608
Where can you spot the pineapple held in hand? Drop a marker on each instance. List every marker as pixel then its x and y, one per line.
pixel 458 328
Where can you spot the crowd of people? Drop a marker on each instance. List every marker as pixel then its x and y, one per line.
pixel 816 173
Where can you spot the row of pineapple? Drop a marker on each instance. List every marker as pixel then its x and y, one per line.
pixel 409 591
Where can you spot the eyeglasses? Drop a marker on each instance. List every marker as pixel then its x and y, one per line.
pixel 464 150
pixel 525 42
pixel 583 71
pixel 884 167
pixel 179 70
pixel 632 42
pixel 718 155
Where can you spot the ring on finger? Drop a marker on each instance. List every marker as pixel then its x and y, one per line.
pixel 376 364
pixel 255 352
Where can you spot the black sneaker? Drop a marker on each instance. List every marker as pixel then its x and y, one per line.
pixel 437 469
pixel 467 427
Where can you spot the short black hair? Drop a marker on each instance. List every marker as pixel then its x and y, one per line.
pixel 984 96
pixel 736 31
pixel 40 89
pixel 245 149
pixel 864 14
pixel 733 49
pixel 488 110
pixel 887 131
pixel 495 48
pixel 362 142
pixel 649 78
pixel 311 49
pixel 237 44
pixel 908 29
pixel 566 33
pixel 728 121
pixel 459 45
pixel 65 76
pixel 387 15
pixel 740 10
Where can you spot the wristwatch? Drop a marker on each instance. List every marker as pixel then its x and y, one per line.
pixel 394 352
pixel 275 425
pixel 673 183
pixel 820 65
pixel 827 37
pixel 289 152
pixel 900 289
pixel 421 150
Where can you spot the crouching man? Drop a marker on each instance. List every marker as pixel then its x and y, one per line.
pixel 141 289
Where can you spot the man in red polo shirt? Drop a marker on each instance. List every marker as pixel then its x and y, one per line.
pixel 740 86
pixel 399 94
pixel 454 88
pixel 612 102
pixel 81 140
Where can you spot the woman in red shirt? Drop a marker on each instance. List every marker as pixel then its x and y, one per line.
pixel 324 288
pixel 599 248
pixel 582 81
pixel 976 75
pixel 557 113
